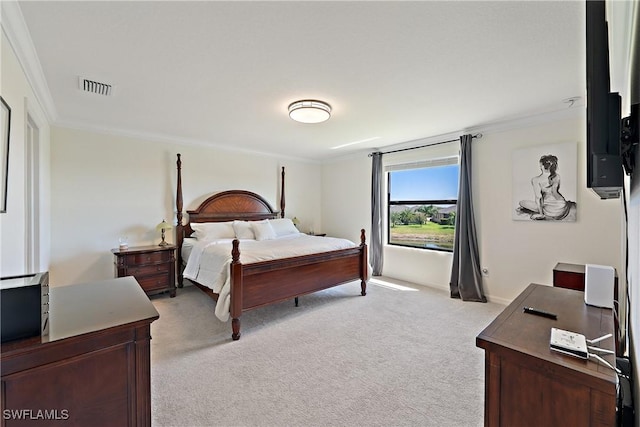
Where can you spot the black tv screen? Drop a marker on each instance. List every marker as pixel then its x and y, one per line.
pixel 604 161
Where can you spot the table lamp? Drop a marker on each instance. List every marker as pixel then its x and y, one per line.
pixel 164 225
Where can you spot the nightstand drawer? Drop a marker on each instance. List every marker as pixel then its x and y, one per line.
pixel 150 283
pixel 153 267
pixel 147 258
pixel 146 270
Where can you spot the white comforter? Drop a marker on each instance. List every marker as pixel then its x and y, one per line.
pixel 209 261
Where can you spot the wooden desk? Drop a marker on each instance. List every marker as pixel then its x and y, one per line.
pixel 527 384
pixel 93 369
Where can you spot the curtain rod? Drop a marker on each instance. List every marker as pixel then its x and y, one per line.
pixel 477 136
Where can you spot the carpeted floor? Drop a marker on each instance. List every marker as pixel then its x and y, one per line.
pixel 392 358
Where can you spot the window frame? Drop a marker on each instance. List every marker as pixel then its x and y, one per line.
pixel 414 202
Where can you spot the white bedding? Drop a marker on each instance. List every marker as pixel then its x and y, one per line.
pixel 209 260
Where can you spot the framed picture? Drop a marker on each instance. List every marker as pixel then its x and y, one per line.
pixel 5 127
pixel 545 183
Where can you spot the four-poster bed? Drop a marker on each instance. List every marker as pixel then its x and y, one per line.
pixel 257 284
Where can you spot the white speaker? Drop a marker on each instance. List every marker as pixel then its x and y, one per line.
pixel 598 285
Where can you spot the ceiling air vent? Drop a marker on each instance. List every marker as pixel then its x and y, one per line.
pixel 94 86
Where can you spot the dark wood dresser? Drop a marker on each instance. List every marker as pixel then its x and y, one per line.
pixel 93 369
pixel 528 384
pixel 154 267
pixel 572 276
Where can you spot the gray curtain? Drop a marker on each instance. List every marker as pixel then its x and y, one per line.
pixel 375 246
pixel 466 274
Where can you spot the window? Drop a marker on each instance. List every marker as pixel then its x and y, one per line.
pixel 423 198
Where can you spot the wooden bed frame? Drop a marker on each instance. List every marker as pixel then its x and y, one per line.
pixel 262 283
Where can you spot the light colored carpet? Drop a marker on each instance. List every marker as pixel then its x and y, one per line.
pixel 391 358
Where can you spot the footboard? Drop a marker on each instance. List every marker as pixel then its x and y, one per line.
pixel 258 284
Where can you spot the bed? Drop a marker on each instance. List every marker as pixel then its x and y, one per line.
pixel 256 284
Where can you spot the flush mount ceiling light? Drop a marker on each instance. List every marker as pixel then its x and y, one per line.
pixel 309 111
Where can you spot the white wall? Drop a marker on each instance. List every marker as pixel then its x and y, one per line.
pixel 634 283
pixel 346 198
pixel 516 253
pixel 108 186
pixel 17 92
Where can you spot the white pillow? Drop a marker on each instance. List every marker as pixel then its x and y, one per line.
pixel 213 230
pixel 283 226
pixel 243 230
pixel 263 230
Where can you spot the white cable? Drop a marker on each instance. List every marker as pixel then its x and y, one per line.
pixel 595 356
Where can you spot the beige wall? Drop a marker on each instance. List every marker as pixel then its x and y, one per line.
pixel 516 253
pixel 17 92
pixel 108 186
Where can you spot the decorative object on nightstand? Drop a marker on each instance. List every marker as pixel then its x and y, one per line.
pixel 154 267
pixel 124 243
pixel 295 221
pixel 164 225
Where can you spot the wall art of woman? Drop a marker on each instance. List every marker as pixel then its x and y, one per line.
pixel 548 203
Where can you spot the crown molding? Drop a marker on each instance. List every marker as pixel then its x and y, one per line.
pixel 173 139
pixel 575 111
pixel 17 33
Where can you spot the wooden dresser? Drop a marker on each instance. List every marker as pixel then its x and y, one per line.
pixel 528 384
pixel 93 369
pixel 572 276
pixel 154 267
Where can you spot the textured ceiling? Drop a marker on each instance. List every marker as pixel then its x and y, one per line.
pixel 223 73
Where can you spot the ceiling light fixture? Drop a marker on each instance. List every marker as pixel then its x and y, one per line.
pixel 309 111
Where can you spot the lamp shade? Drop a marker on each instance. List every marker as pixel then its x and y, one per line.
pixel 164 225
pixel 309 111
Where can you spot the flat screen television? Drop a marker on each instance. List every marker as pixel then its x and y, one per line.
pixel 605 174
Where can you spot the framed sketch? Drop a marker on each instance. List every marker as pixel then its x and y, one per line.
pixel 5 127
pixel 545 183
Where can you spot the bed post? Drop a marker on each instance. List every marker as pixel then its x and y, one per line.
pixel 282 195
pixel 364 266
pixel 236 290
pixel 179 231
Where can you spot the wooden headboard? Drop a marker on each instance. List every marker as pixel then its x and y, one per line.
pixel 231 205
pixel 224 206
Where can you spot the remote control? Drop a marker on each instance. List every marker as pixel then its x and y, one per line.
pixel 538 312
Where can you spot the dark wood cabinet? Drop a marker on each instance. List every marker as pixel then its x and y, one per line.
pixel 572 276
pixel 92 369
pixel 527 383
pixel 154 267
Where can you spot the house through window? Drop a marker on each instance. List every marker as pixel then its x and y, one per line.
pixel 422 203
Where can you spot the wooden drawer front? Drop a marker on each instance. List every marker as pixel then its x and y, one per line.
pixel 569 280
pixel 147 258
pixel 150 283
pixel 145 270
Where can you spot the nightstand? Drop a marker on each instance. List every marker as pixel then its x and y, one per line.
pixel 154 267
